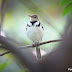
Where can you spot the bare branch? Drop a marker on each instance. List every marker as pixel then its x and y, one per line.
pixel 31 46
pixel 5 53
pixel 34 45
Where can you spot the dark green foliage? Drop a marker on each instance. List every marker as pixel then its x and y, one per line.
pixel 65 2
pixel 67 8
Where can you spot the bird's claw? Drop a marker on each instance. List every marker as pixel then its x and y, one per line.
pixel 37 44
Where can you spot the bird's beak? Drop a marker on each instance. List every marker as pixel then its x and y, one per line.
pixel 30 15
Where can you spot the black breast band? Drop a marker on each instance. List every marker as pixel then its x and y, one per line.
pixel 33 22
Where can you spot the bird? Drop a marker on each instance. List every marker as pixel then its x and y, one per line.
pixel 35 32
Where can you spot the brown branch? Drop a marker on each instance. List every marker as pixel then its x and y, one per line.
pixel 31 46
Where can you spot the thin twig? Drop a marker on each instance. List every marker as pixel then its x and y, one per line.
pixel 34 45
pixel 5 53
pixel 2 46
pixel 31 46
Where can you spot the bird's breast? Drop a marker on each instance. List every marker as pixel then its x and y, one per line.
pixel 35 33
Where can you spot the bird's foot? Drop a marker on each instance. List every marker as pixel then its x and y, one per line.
pixel 35 44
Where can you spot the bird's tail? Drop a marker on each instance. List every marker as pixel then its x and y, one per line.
pixel 38 53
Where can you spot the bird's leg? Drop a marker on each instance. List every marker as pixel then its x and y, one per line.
pixel 33 44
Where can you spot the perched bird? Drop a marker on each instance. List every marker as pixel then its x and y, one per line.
pixel 35 32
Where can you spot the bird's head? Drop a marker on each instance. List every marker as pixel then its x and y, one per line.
pixel 33 17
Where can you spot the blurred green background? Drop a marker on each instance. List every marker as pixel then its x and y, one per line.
pixel 16 19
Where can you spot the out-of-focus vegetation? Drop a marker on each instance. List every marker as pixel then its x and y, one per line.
pixel 16 18
pixel 3 65
pixel 68 6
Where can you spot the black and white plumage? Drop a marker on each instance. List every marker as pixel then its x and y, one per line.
pixel 35 32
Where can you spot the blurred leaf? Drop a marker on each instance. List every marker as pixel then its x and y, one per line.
pixel 67 9
pixel 65 2
pixel 4 65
